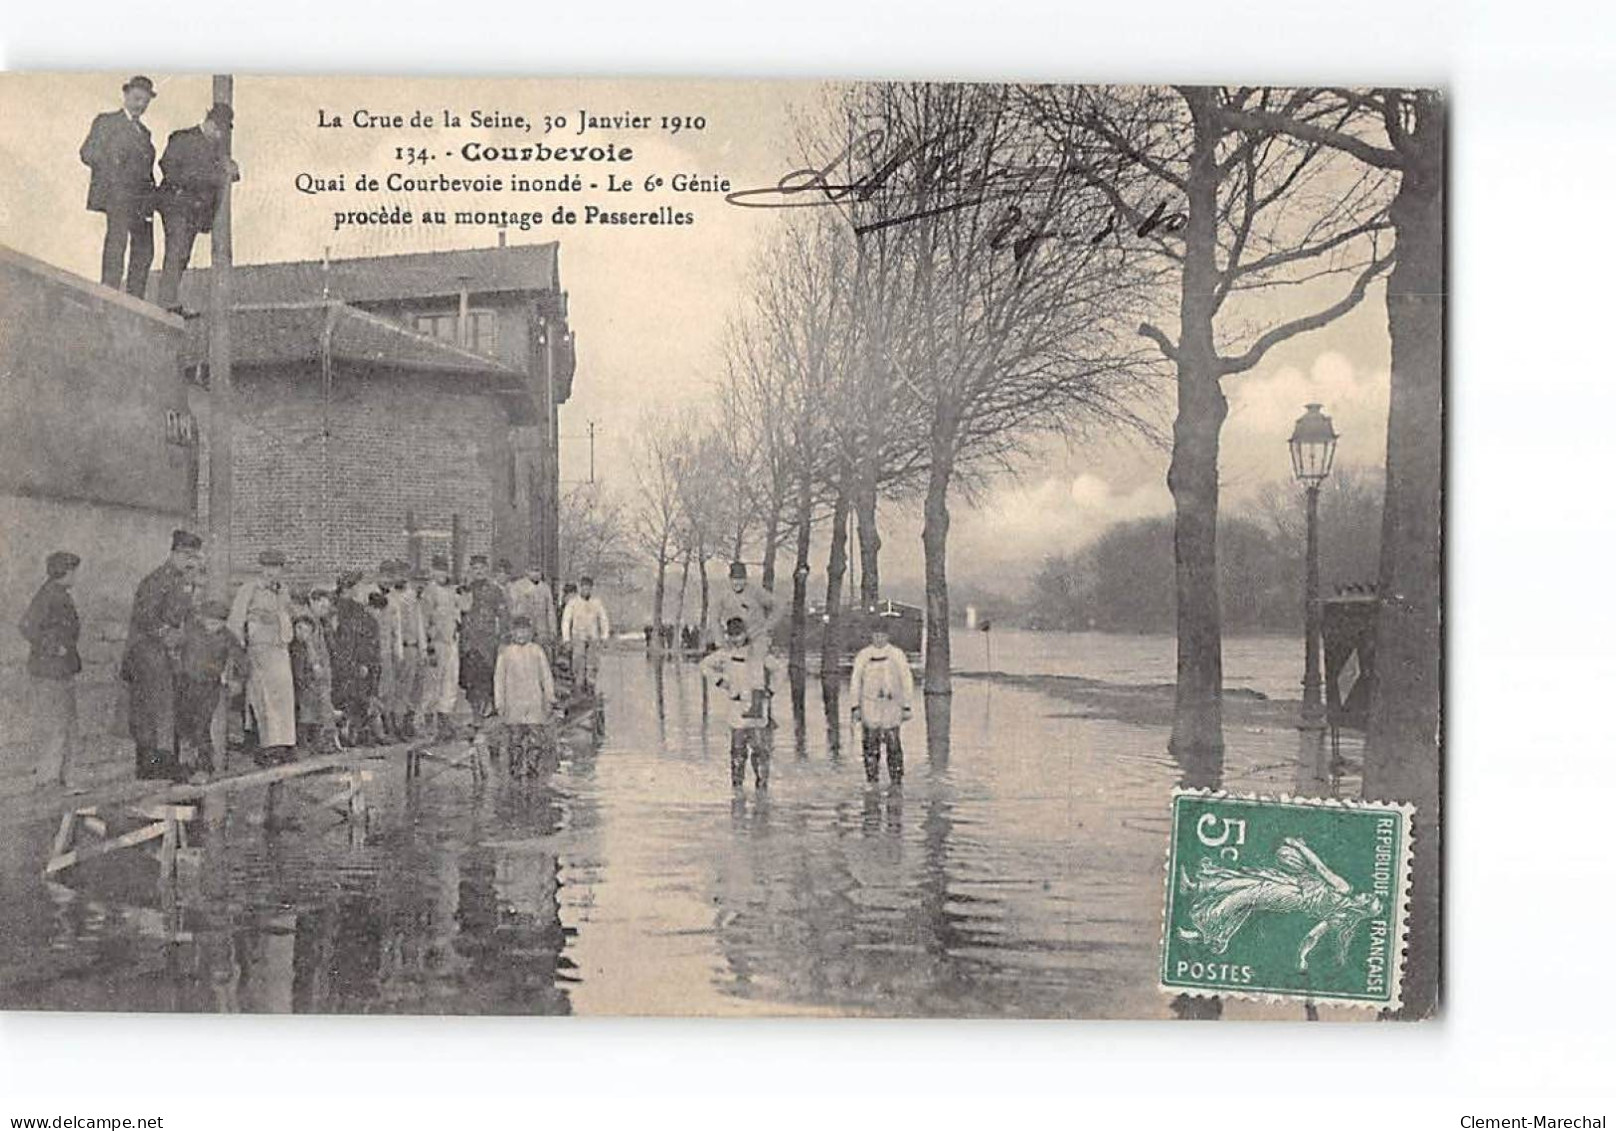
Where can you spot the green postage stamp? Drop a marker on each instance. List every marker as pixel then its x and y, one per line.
pixel 1286 898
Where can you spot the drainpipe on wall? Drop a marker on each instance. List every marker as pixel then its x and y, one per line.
pixel 220 409
pixel 463 323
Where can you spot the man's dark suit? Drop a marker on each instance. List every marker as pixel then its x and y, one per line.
pixel 194 168
pixel 151 654
pixel 120 153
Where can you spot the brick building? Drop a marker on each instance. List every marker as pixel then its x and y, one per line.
pixel 394 406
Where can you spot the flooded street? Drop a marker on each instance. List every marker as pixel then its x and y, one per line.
pixel 1018 871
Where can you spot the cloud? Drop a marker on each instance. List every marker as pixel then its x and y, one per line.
pixel 1264 406
pixel 1024 522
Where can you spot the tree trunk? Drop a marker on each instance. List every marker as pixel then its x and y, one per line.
pixel 771 541
pixel 1403 756
pixel 1193 475
pixel 934 542
pixel 684 587
pixel 869 538
pixel 658 601
pixel 830 653
pixel 706 595
pixel 799 576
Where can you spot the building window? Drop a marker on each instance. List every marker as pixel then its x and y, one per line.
pixel 481 329
pixel 179 428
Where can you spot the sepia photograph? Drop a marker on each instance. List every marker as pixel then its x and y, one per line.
pixel 721 548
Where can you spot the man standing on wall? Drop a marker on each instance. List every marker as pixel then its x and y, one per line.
pixel 120 154
pixel 151 655
pixel 195 168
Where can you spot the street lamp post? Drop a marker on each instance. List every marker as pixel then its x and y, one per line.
pixel 1312 445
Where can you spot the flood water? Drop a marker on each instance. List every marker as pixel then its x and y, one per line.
pixel 1018 871
pixel 1268 665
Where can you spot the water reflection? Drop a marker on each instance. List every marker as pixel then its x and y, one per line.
pixel 830 697
pixel 1018 872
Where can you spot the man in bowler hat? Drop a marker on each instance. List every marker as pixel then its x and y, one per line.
pixel 196 166
pixel 120 154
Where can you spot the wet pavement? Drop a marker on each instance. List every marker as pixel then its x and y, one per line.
pixel 1017 871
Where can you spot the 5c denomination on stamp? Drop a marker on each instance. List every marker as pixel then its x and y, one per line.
pixel 1286 898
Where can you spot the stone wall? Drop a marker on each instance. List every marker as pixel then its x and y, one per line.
pixel 89 462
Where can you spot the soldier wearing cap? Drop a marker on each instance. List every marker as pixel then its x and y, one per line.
pixel 585 628
pixel 883 694
pixel 356 662
pixel 406 636
pixel 379 603
pixel 441 609
pixel 151 656
pixel 532 597
pixel 756 606
pixel 196 167
pixel 482 628
pixel 51 627
pixel 261 621
pixel 120 153
pixel 210 658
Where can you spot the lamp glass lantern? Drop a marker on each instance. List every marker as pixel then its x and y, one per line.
pixel 1312 446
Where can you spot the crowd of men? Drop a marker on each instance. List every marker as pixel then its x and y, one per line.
pixel 368 661
pixel 195 165
pixel 393 657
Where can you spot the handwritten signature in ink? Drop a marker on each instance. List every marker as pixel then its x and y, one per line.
pixel 939 176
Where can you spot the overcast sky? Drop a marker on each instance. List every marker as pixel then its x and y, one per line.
pixel 648 305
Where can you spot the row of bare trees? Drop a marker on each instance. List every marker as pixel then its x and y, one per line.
pixel 960 269
pixel 904 337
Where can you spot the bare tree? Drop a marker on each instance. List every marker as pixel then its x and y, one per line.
pixel 801 311
pixel 1013 328
pixel 595 534
pixel 655 513
pixel 702 529
pixel 1404 132
pixel 755 401
pixel 1241 208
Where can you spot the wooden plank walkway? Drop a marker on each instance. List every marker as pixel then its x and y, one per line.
pixel 165 809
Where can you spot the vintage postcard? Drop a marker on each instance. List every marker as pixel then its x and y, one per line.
pixel 720 548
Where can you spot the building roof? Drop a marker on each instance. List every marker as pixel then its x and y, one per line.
pixel 380 278
pixel 269 334
pixel 276 333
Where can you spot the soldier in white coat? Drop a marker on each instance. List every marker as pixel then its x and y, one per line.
pixel 585 627
pixel 261 620
pixel 524 695
pixel 747 680
pixel 531 597
pixel 441 607
pixel 883 695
